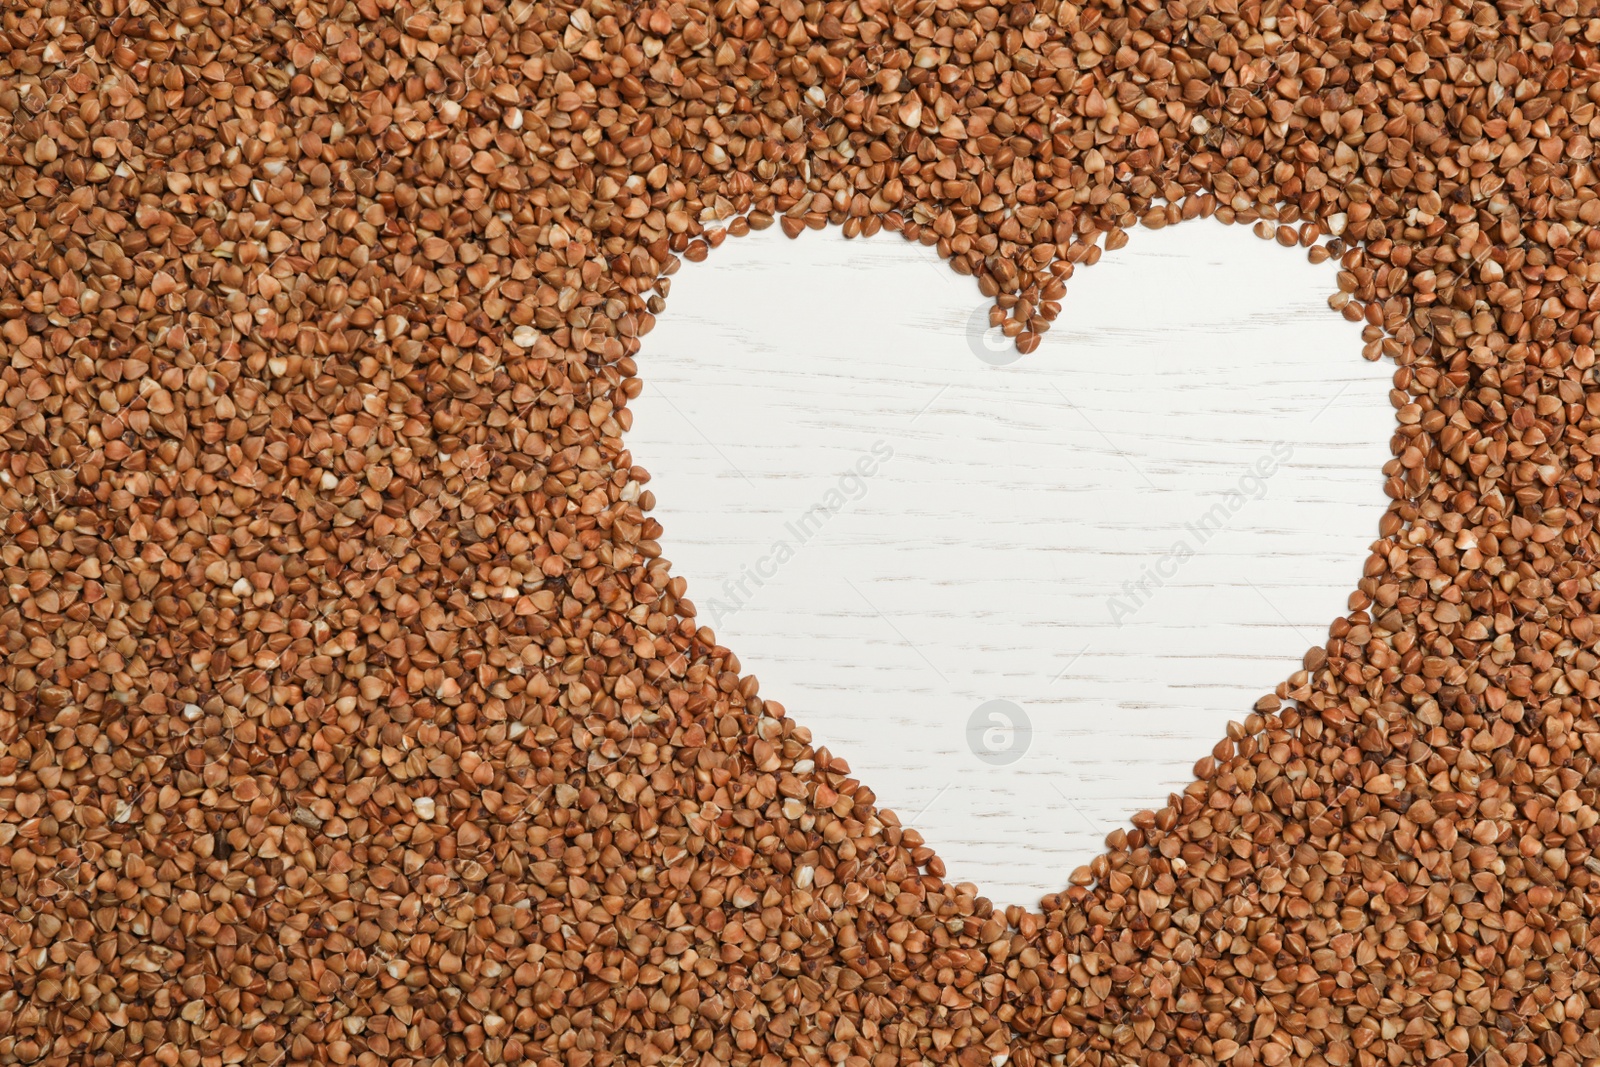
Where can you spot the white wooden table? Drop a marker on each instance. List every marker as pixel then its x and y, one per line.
pixel 991 544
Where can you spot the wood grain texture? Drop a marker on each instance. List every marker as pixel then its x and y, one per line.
pixel 996 554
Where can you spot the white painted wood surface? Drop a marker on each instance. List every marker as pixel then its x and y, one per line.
pixel 985 558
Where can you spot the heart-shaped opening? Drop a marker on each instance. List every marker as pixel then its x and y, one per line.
pixel 1021 596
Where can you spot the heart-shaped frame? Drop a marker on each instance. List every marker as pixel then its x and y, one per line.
pixel 1046 534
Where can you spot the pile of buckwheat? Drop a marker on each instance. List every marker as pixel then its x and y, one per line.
pixel 351 715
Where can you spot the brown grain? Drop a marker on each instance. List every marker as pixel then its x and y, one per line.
pixel 352 715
